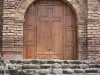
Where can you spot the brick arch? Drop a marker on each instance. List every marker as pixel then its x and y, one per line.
pixel 81 22
pixel 24 4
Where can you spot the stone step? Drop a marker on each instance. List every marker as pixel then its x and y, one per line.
pixel 56 65
pixel 54 61
pixel 50 67
pixel 52 71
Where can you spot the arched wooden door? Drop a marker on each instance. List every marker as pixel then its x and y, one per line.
pixel 49 31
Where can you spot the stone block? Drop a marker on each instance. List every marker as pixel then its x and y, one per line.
pixel 74 66
pixel 13 72
pixel 57 71
pixel 51 61
pixel 30 71
pixel 60 61
pixel 83 66
pixel 13 67
pixel 43 61
pixel 56 65
pixel 68 71
pixel 29 66
pixel 34 61
pixel 12 61
pixel 19 62
pixel 79 70
pixel 66 66
pixel 92 70
pixel 26 61
pixel 45 66
pixel 43 71
pixel 91 74
pixel 76 62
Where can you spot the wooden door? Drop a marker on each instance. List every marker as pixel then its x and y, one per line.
pixel 30 33
pixel 49 31
pixel 69 34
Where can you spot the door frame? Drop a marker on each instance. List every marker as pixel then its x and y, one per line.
pixel 76 18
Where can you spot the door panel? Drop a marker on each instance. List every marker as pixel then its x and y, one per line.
pixel 49 31
pixel 69 21
pixel 42 33
pixel 56 41
pixel 43 56
pixel 70 36
pixel 30 35
pixel 42 38
pixel 69 53
pixel 30 51
pixel 69 44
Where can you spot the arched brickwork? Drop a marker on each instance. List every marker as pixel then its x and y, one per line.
pixel 75 4
pixel 81 22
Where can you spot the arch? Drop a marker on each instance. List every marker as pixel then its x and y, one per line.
pixel 79 11
pixel 24 4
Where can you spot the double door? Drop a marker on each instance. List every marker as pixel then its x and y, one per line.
pixel 49 31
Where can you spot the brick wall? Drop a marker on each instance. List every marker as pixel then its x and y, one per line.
pixel 88 28
pixel 93 29
pixel 82 31
pixel 1 21
pixel 99 27
pixel 10 47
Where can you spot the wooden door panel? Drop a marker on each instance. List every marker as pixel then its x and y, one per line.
pixel 30 38
pixel 57 39
pixel 69 22
pixel 29 44
pixel 53 20
pixel 30 33
pixel 69 45
pixel 69 52
pixel 56 56
pixel 69 37
pixel 42 11
pixel 43 56
pixel 56 51
pixel 42 37
pixel 30 50
pixel 42 33
pixel 31 21
pixel 58 8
